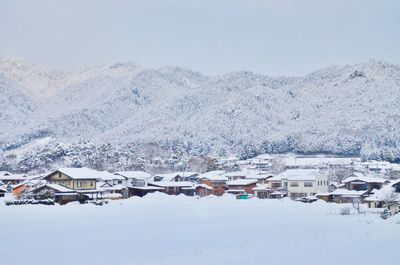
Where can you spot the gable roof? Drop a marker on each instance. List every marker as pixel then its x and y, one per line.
pixel 365 179
pixel 348 193
pixel 215 175
pixel 3 189
pixel 13 177
pixel 56 187
pixel 4 173
pixel 300 174
pixel 77 173
pixel 241 182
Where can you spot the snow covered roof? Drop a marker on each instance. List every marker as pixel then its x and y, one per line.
pixel 348 193
pixel 172 184
pixel 236 174
pixel 365 179
pixel 379 195
pixel 134 174
pixel 203 186
pixel 4 173
pixel 261 188
pixel 13 177
pixel 259 176
pixel 241 182
pixel 300 174
pixel 147 188
pixel 169 176
pixel 105 175
pixel 78 173
pixel 56 187
pixel 3 189
pixel 215 175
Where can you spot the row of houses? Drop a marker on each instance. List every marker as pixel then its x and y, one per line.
pixel 81 184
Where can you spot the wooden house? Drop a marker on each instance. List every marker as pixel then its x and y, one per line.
pixel 62 194
pixel 80 180
pixel 13 179
pixel 358 181
pixel 200 190
pixel 215 180
pixel 240 186
pixel 171 187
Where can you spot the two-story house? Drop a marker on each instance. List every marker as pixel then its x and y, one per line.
pixel 304 182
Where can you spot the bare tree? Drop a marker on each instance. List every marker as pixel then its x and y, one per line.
pixel 339 174
pixel 357 205
pixel 390 196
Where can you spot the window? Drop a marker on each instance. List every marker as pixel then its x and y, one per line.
pixel 294 184
pixel 308 184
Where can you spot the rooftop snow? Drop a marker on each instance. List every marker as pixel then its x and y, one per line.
pixel 134 174
pixel 241 182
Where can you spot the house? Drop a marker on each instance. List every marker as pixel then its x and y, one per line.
pixel 12 179
pixel 62 195
pixel 383 197
pixel 177 176
pixel 241 186
pixel 200 190
pixel 215 180
pixel 304 182
pixel 348 196
pixel 26 185
pixel 135 178
pixel 79 180
pixel 112 184
pixel 358 181
pixel 168 177
pixel 171 187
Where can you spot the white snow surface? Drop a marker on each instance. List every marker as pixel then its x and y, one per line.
pixel 161 229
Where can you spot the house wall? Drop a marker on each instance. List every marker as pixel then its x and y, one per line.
pixel 74 184
pixel 320 184
pixel 246 188
pixel 218 187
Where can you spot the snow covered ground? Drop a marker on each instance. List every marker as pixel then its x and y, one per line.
pixel 163 229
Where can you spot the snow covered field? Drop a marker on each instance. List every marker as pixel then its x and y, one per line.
pixel 163 229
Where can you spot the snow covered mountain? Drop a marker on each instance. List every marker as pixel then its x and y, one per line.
pixel 352 109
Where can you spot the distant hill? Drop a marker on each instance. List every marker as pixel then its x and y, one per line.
pixel 351 110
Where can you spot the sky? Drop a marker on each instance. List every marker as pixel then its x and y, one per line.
pixel 283 37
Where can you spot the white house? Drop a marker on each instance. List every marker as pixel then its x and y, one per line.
pixel 304 182
pixel 135 178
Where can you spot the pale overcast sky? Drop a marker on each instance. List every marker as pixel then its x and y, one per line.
pixel 283 37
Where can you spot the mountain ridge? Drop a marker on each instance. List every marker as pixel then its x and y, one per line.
pixel 351 109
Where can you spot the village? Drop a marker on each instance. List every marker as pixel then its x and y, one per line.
pixel 374 184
